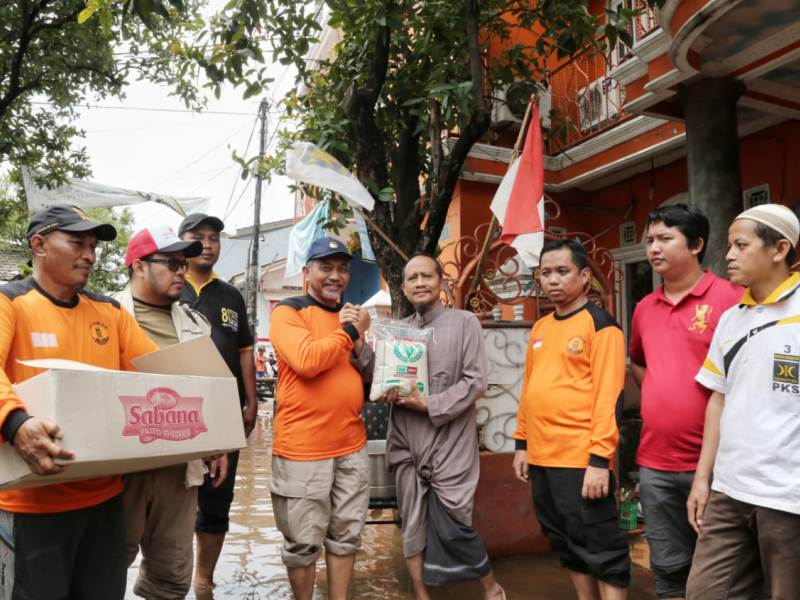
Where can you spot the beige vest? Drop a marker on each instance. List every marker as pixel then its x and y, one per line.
pixel 189 324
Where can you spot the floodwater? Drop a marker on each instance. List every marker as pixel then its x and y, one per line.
pixel 250 567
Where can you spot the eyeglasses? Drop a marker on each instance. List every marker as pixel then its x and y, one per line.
pixel 173 264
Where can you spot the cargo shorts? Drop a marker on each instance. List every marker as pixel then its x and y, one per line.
pixel 320 502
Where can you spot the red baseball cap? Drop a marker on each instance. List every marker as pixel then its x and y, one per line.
pixel 159 238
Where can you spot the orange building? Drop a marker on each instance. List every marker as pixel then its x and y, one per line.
pixel 703 108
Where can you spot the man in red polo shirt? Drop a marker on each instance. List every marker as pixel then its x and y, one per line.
pixel 670 335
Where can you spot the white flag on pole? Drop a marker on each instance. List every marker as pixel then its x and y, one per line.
pixel 308 164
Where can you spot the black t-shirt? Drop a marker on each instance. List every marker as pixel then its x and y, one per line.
pixel 224 307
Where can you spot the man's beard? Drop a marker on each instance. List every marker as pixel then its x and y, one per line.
pixel 203 267
pixel 331 295
pixel 423 306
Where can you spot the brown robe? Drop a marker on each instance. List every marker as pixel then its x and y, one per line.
pixel 439 449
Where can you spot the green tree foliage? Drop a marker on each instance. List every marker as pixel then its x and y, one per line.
pixel 406 75
pixel 13 214
pixel 58 54
pixel 109 273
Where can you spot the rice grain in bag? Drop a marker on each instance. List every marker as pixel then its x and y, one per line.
pixel 401 358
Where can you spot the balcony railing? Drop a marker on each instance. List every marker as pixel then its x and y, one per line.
pixel 585 100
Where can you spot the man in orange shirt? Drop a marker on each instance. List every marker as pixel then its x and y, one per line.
pixel 261 363
pixel 567 429
pixel 67 539
pixel 320 468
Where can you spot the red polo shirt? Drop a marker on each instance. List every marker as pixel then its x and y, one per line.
pixel 671 341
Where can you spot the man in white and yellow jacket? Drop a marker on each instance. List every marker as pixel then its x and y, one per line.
pixel 160 504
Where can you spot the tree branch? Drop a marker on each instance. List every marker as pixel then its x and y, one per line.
pixel 435 134
pixel 359 106
pixel 57 24
pixel 30 29
pixel 15 73
pixel 478 124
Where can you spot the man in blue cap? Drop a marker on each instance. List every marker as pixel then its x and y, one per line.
pixel 320 468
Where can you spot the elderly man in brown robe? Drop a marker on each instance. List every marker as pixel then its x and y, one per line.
pixel 432 445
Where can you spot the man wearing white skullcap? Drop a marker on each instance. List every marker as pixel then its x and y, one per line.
pixel 748 513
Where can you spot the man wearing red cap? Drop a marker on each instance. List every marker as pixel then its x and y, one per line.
pixel 66 539
pixel 160 504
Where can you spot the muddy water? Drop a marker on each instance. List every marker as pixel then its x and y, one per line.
pixel 250 567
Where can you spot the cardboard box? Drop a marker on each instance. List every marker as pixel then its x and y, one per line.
pixel 186 406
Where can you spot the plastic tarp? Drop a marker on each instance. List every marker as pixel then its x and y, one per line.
pixel 87 194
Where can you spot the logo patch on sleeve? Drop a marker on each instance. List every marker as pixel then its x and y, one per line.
pixel 786 369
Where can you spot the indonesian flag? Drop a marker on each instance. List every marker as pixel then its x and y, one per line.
pixel 518 203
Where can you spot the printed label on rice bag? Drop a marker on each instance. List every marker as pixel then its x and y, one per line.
pixel 400 362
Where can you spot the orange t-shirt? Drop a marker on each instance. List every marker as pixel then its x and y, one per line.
pixel 320 393
pixel 574 376
pixel 92 329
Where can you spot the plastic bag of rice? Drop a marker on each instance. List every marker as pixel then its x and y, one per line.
pixel 401 358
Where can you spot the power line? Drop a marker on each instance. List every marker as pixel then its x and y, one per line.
pixel 238 177
pixel 153 109
pixel 213 177
pixel 199 158
pixel 235 204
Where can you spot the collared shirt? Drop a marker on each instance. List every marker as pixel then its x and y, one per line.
pixel 222 304
pixel 671 341
pixel 754 360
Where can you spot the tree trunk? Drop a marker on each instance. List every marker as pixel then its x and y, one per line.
pixel 401 307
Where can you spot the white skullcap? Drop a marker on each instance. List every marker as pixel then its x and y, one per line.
pixel 775 216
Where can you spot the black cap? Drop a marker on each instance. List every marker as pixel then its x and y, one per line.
pixel 196 219
pixel 327 246
pixel 63 217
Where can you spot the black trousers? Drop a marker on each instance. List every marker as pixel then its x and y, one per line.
pixel 214 504
pixel 75 555
pixel 584 533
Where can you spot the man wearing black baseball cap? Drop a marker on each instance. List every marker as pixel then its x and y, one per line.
pixel 195 220
pixel 69 538
pixel 224 307
pixel 62 217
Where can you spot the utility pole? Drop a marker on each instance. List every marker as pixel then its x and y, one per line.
pixel 251 285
